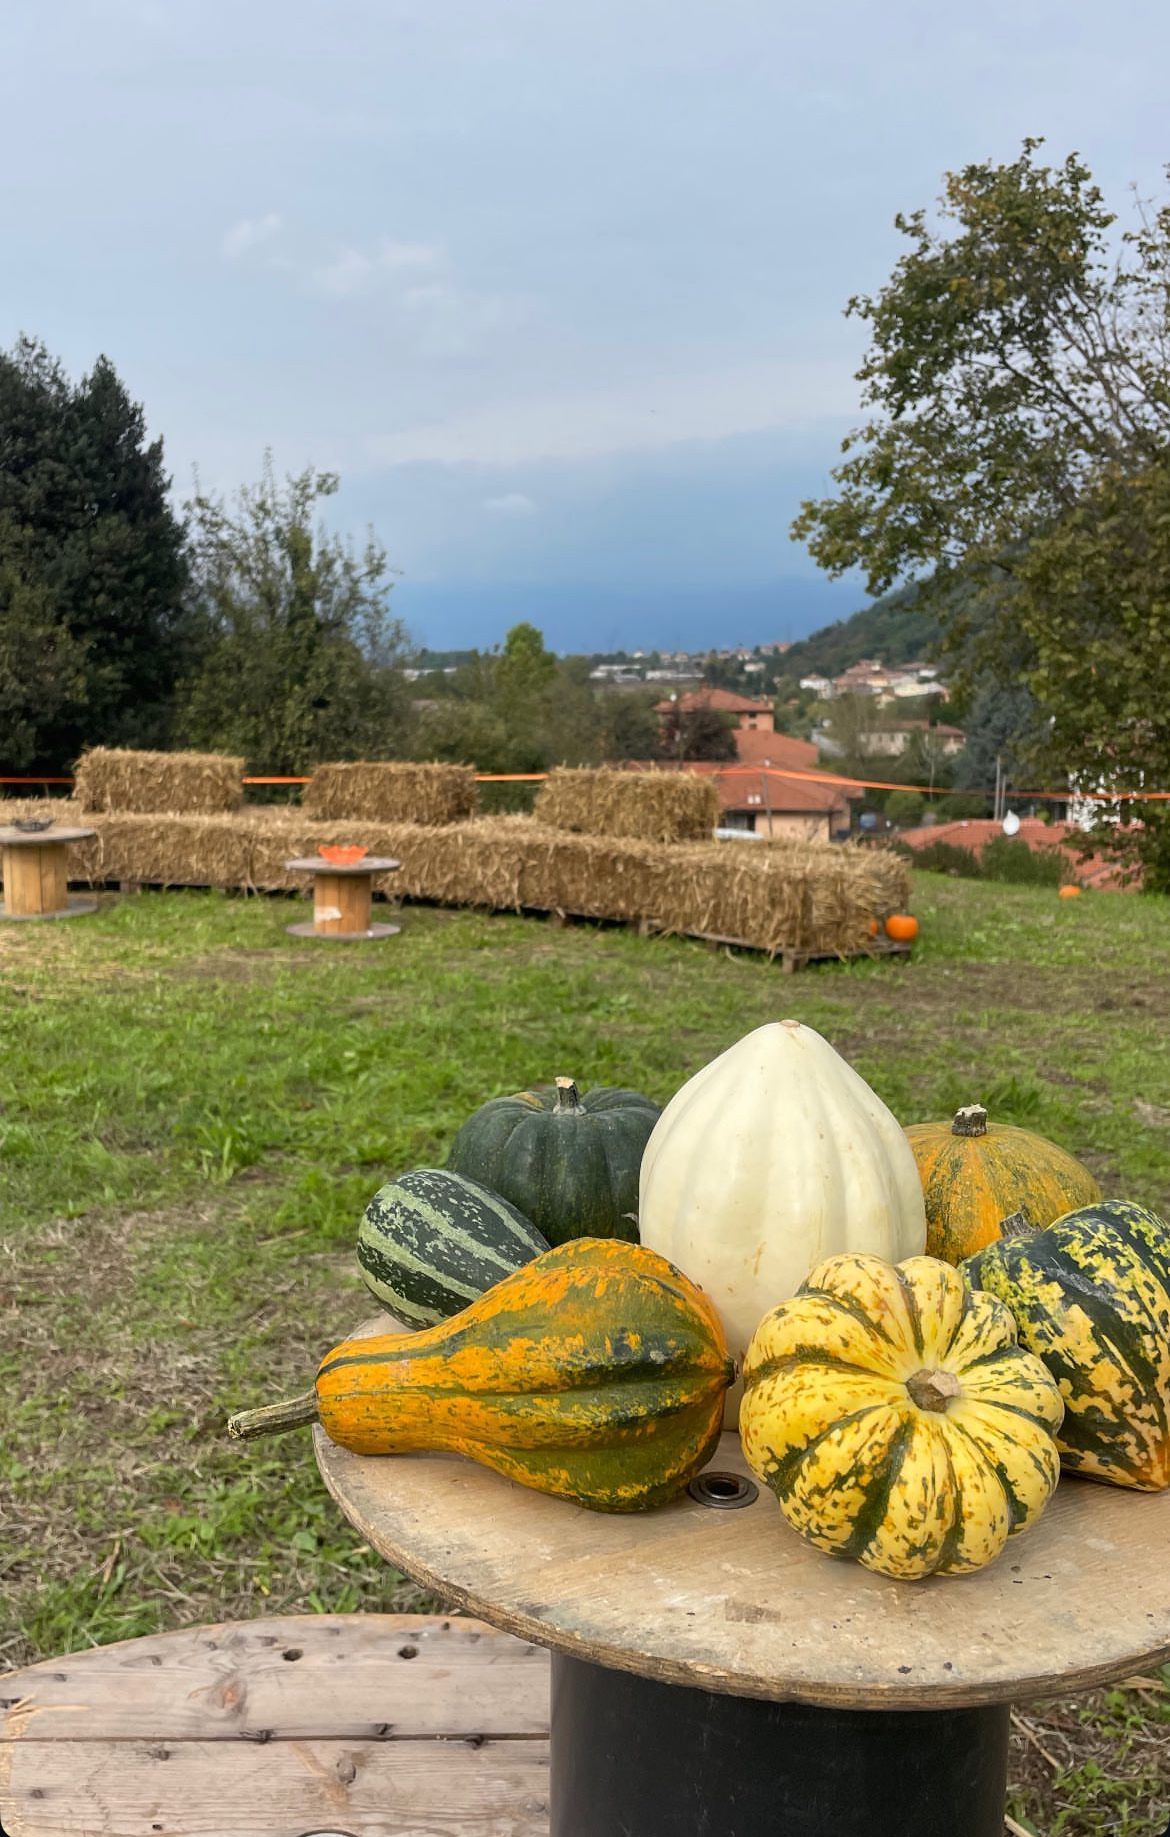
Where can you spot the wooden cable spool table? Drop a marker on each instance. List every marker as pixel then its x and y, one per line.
pixel 712 1673
pixel 36 877
pixel 342 898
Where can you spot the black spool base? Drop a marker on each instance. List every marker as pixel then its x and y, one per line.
pixel 632 1757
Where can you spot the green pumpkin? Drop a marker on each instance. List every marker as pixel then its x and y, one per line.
pixel 569 1163
pixel 432 1241
pixel 1091 1297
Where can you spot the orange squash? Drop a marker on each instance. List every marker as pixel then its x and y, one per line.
pixel 597 1372
pixel 979 1176
pixel 902 927
pixel 1070 892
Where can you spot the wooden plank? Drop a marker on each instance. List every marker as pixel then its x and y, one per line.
pixel 736 1601
pixel 278 1789
pixel 22 882
pixel 54 883
pixel 344 1676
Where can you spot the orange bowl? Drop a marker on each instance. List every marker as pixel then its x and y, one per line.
pixel 342 854
pixel 901 927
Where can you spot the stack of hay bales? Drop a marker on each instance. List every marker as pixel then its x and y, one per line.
pixel 645 806
pixel 394 792
pixel 793 896
pixel 161 818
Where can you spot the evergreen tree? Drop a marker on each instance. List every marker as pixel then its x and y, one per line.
pixel 91 565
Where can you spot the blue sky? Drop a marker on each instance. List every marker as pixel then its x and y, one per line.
pixel 555 285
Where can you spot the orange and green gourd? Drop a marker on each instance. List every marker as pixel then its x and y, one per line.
pixel 897 1421
pixel 597 1373
pixel 978 1177
pixel 1091 1297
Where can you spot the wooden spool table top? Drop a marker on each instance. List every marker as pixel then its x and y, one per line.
pixel 369 864
pixel 734 1601
pixel 42 838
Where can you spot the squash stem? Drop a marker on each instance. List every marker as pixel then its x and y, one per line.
pixel 933 1390
pixel 970 1120
pixel 273 1418
pixel 567 1097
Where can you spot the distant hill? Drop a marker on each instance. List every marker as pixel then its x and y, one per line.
pixel 893 629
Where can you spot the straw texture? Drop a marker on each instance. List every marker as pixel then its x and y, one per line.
pixel 392 792
pixel 114 778
pixel 788 896
pixel 645 806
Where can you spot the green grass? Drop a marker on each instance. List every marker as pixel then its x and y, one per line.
pixel 194 1109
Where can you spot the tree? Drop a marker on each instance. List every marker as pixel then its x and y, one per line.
pixel 299 655
pixel 697 733
pixel 1018 437
pixel 92 566
pixel 630 728
pixel 1000 724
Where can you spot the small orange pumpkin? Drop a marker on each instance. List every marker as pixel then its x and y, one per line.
pixel 1070 892
pixel 873 928
pixel 902 927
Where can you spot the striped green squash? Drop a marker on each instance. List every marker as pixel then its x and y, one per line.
pixel 432 1241
pixel 1091 1297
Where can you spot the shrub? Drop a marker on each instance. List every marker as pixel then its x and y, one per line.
pixel 1024 866
pixel 959 806
pixel 945 858
pixel 905 808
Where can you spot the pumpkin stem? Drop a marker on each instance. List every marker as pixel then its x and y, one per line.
pixel 970 1120
pixel 1015 1225
pixel 292 1413
pixel 933 1390
pixel 568 1097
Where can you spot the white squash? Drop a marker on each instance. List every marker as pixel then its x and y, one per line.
pixel 772 1158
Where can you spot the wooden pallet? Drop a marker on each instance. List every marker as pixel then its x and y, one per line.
pixel 789 960
pixel 376 1725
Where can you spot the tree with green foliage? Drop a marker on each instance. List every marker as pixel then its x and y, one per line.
pixel 94 631
pixel 697 734
pixel 299 656
pixel 1018 438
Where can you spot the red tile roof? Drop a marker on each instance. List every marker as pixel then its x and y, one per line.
pixel 784 796
pixel 723 699
pixel 1095 871
pixel 757 747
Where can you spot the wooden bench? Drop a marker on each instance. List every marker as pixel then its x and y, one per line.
pixel 362 1725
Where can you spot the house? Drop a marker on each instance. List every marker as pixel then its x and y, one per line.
pixel 891 742
pixel 770 791
pixel 749 714
pixel 820 686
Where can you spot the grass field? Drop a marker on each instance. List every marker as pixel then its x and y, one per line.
pixel 194 1109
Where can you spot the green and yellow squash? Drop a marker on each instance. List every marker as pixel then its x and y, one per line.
pixel 568 1160
pixel 976 1175
pixel 893 1414
pixel 596 1373
pixel 431 1241
pixel 1091 1297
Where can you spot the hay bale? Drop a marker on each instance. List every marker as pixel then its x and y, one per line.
pixel 392 792
pixel 156 849
pixel 644 806
pixel 190 784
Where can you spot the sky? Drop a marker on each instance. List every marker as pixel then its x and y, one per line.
pixel 556 286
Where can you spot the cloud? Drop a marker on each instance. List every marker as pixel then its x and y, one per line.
pixel 649 414
pixel 352 270
pixel 250 233
pixel 512 504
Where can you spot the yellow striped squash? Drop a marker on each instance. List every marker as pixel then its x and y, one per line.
pixel 1091 1296
pixel 896 1419
pixel 597 1372
pixel 976 1175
